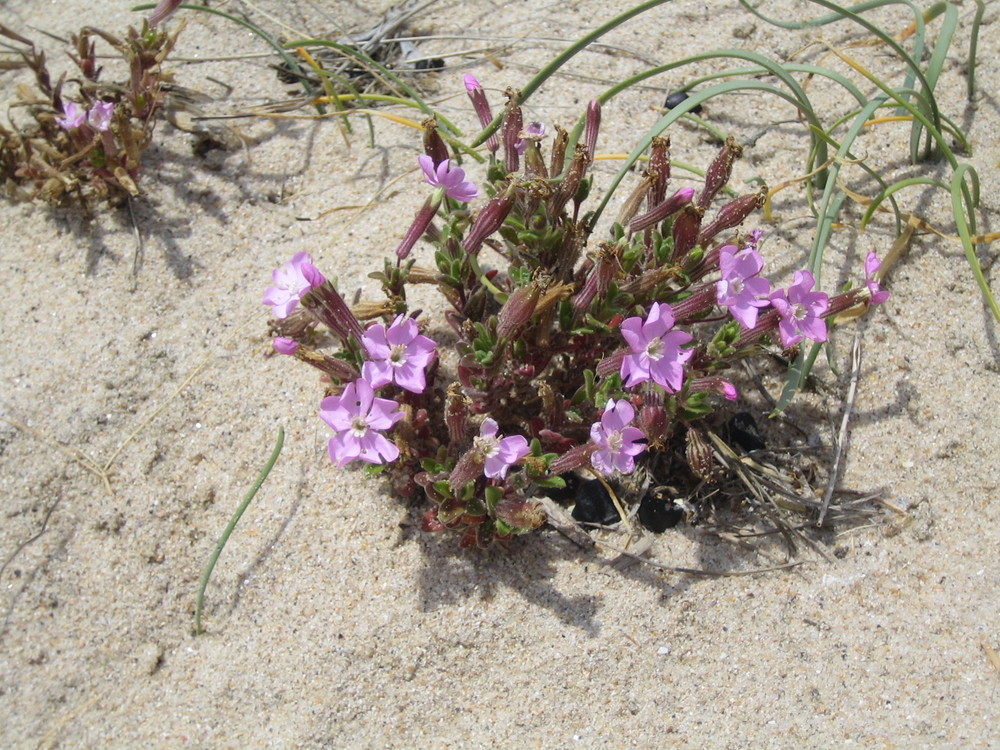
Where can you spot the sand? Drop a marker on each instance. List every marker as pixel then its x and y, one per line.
pixel 331 620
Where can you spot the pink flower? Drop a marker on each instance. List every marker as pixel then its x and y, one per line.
pixel 498 454
pixel 357 417
pixel 617 442
pixel 656 354
pixel 73 116
pixel 872 266
pixel 291 283
pixel 450 179
pixel 285 345
pixel 398 354
pixel 99 116
pixel 741 288
pixel 534 132
pixel 801 310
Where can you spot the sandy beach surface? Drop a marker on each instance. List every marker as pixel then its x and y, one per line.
pixel 137 408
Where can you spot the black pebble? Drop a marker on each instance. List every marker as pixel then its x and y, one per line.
pixel 679 97
pixel 658 513
pixel 435 63
pixel 567 493
pixel 594 504
pixel 742 430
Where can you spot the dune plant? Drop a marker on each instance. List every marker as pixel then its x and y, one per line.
pixel 81 137
pixel 560 355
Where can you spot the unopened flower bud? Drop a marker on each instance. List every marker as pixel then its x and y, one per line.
pixel 329 308
pixel 672 205
pixel 714 385
pixel 720 171
pixel 686 227
pixel 574 458
pixel 489 220
pixel 482 107
pixel 732 215
pixel 517 310
pixel 417 229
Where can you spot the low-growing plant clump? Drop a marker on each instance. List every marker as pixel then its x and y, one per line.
pixel 562 355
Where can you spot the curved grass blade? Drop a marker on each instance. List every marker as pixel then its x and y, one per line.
pixel 231 526
pixel 966 227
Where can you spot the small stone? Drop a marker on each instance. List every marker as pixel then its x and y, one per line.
pixel 149 657
pixel 658 513
pixel 677 98
pixel 594 504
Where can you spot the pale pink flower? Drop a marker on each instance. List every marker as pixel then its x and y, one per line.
pixel 291 283
pixel 656 350
pixel 99 116
pixel 450 179
pixel 357 418
pixel 498 454
pixel 741 287
pixel 534 132
pixel 398 354
pixel 73 116
pixel 872 266
pixel 616 441
pixel 801 310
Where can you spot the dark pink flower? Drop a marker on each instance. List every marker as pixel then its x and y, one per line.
pixel 358 419
pixel 801 310
pixel 451 180
pixel 291 283
pixel 741 287
pixel 616 441
pixel 399 354
pixel 656 350
pixel 498 454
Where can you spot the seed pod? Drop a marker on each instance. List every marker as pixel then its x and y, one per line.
pixel 719 173
pixel 434 145
pixel 699 454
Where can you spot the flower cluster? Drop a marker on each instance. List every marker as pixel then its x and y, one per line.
pixel 564 360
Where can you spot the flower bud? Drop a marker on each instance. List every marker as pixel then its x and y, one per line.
pixel 417 229
pixel 672 205
pixel 518 309
pixel 329 308
pixel 653 420
pixel 489 220
pixel 574 458
pixel 686 226
pixel 285 345
pixel 482 107
pixel 714 385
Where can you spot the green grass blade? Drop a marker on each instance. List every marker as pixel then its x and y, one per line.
pixel 966 226
pixel 231 526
